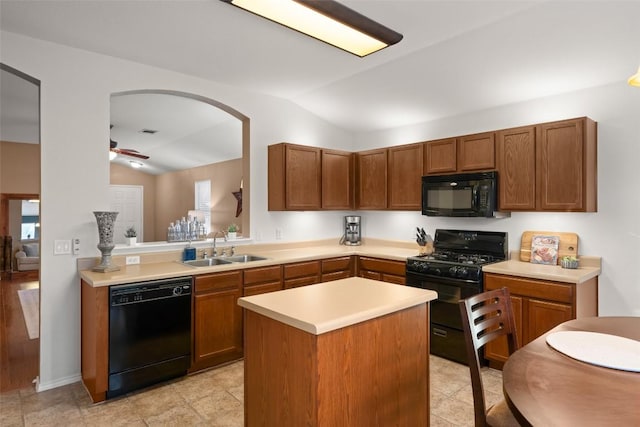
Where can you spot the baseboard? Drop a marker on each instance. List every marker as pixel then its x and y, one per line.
pixel 40 386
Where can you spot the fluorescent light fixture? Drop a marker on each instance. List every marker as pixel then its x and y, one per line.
pixel 325 20
pixel 635 79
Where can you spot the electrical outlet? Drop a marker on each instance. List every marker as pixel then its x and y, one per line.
pixel 62 247
pixel 76 246
pixel 278 233
pixel 133 260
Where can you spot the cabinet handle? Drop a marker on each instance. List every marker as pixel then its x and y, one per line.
pixel 439 332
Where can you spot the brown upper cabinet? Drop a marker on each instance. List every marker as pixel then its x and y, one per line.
pixel 405 177
pixel 371 179
pixel 541 167
pixel 440 156
pixel 337 179
pixel 294 177
pixel 462 154
pixel 566 161
pixel 516 158
pixel 476 152
pixel 548 167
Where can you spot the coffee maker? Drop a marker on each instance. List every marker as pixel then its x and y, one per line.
pixel 351 230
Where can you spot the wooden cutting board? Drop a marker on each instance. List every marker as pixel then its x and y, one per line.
pixel 568 245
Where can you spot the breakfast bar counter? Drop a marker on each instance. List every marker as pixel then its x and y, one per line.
pixel 349 352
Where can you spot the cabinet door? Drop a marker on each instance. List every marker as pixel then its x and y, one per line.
pixel 476 152
pixel 294 177
pixel 217 319
pixel 372 179
pixel 498 350
pixel 564 174
pixel 440 156
pixel 337 179
pixel 545 315
pixel 405 177
pixel 516 164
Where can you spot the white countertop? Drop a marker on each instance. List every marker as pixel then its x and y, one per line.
pixel 160 268
pixel 328 306
pixel 589 268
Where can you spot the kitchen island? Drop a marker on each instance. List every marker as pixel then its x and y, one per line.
pixel 349 352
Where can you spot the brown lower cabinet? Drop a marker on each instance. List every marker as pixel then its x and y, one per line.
pixel 301 274
pixel 539 306
pixel 262 280
pixel 382 269
pixel 336 268
pixel 95 340
pixel 217 319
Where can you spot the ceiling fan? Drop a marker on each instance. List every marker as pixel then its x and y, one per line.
pixel 113 147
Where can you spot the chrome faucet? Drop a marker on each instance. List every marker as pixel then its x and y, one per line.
pixel 224 236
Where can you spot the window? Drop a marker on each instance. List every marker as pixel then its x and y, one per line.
pixel 30 224
pixel 203 202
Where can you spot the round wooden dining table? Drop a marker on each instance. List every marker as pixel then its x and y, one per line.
pixel 544 387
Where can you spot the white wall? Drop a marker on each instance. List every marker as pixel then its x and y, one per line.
pixel 75 90
pixel 612 233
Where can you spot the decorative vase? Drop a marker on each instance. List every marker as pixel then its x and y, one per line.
pixel 131 241
pixel 106 221
pixel 232 235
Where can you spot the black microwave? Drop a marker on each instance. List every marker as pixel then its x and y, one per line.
pixel 460 195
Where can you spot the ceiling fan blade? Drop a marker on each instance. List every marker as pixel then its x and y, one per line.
pixel 130 153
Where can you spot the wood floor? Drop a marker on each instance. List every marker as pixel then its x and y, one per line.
pixel 19 355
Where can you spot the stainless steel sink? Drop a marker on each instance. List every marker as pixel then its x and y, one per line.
pixel 244 258
pixel 208 262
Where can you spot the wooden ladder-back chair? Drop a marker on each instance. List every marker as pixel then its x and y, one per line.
pixel 486 317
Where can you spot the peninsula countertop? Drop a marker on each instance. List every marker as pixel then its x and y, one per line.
pixel 328 306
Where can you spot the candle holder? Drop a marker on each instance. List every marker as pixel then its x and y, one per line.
pixel 106 221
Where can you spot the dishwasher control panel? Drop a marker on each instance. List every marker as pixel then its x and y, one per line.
pixel 149 291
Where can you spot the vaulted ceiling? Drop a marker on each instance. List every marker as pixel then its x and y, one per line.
pixel 456 56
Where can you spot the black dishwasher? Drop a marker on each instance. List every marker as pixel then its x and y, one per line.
pixel 149 333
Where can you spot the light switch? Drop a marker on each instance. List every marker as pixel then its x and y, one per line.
pixel 62 247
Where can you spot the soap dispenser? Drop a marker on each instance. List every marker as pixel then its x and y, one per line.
pixel 189 253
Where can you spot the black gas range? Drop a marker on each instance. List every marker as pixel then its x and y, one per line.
pixel 454 271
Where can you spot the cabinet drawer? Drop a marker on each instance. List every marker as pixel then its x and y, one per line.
pixel 373 275
pixel 336 264
pixel 262 288
pixel 258 276
pixel 336 275
pixel 385 266
pixel 552 291
pixel 218 281
pixel 301 281
pixel 391 278
pixel 301 269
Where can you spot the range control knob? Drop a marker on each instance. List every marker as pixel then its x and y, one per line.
pixel 177 290
pixel 462 272
pixel 453 271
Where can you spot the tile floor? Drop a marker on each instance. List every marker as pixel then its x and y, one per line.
pixel 212 398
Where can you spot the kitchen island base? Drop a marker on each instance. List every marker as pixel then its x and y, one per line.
pixel 370 373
